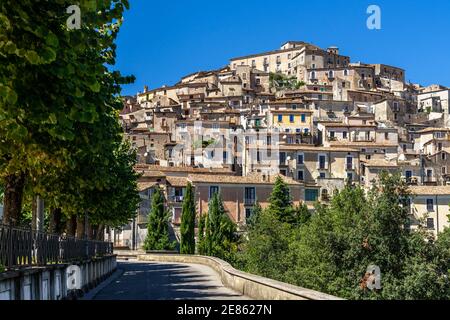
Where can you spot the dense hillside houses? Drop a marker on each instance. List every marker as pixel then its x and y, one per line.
pixel 309 114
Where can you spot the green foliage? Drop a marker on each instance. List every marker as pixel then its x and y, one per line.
pixel 331 250
pixel 187 243
pixel 280 81
pixel 217 233
pixel 2 268
pixel 59 105
pixel 265 252
pixel 158 225
pixel 281 202
pixel 201 247
pixel 203 143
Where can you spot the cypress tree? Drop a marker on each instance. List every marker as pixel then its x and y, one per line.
pixel 158 225
pixel 281 201
pixel 187 245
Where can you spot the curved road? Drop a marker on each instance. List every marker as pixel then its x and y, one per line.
pixel 166 281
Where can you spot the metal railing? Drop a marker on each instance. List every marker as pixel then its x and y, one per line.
pixel 27 248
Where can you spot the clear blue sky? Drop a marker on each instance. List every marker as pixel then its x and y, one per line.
pixel 160 41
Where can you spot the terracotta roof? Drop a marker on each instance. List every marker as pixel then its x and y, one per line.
pixel 362 144
pixel 151 174
pixel 430 190
pixel 177 181
pixel 379 163
pixel 303 147
pixel 292 111
pixel 145 185
pixel 428 130
pixel 314 148
pixel 252 179
pixel 182 169
pixel 345 125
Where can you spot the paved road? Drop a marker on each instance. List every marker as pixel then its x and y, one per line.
pixel 166 281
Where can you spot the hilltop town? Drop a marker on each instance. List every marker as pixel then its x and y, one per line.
pixel 309 114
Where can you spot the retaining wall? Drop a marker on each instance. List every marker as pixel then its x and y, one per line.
pixel 253 286
pixel 50 282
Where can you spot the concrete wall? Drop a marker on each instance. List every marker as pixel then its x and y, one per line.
pixel 50 283
pixel 247 284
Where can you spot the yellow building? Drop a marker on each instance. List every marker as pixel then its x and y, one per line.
pixel 291 121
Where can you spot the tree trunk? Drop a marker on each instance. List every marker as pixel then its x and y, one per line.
pixel 33 213
pixel 55 226
pixel 13 198
pixel 100 232
pixel 71 226
pixel 80 227
pixel 37 214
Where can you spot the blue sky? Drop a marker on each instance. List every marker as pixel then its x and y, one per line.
pixel 160 41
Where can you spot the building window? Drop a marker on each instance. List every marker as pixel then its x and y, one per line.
pixel 344 135
pixel 444 156
pixel 430 205
pixel 280 118
pixel 345 74
pixel 300 175
pixel 282 158
pixel 322 162
pixel 283 172
pixel 250 196
pixel 386 136
pixel 300 159
pixel 311 195
pixel 349 176
pixel 291 118
pixel 322 175
pixel 430 223
pixel 213 190
pixel 444 170
pixel 225 156
pixel 303 118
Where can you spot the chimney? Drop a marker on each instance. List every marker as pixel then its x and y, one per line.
pixel 145 89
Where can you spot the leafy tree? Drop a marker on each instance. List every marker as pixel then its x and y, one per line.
pixel 281 201
pixel 332 249
pixel 302 214
pixel 253 220
pixel 158 225
pixel 266 251
pixel 187 244
pixel 219 236
pixel 59 106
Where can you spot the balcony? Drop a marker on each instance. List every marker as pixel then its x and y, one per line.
pixel 249 202
pixel 176 199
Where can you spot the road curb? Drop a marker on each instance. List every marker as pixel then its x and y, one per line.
pixel 91 294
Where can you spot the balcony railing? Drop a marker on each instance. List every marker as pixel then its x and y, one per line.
pixel 177 199
pixel 26 248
